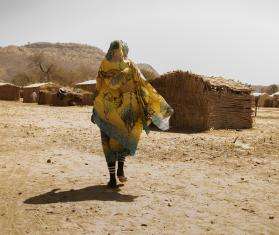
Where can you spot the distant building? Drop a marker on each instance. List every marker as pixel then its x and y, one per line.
pixel 89 85
pixel 9 91
pixel 31 92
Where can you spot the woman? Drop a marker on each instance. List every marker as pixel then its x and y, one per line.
pixel 125 104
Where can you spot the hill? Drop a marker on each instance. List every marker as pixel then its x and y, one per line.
pixel 64 63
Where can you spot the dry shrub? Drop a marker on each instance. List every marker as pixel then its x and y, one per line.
pixel 23 79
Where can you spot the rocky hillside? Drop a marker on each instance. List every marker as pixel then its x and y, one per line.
pixel 64 63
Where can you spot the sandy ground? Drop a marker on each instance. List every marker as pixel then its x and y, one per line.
pixel 53 175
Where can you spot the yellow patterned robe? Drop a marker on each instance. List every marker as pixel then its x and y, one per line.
pixel 125 105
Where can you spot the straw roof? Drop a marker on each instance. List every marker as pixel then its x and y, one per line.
pixel 275 94
pixel 34 85
pixel 257 94
pixel 6 83
pixel 89 82
pixel 216 83
pixel 228 83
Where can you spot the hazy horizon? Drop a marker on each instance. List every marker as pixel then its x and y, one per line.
pixel 238 40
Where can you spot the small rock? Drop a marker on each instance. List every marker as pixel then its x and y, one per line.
pixel 48 161
pixel 248 210
pixel 271 217
pixel 145 225
pixel 86 164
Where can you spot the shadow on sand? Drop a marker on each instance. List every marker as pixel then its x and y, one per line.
pixel 97 192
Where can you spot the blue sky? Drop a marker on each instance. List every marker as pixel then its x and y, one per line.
pixel 237 39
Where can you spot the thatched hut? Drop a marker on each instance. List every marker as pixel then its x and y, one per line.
pixel 9 91
pixel 30 92
pixel 275 99
pixel 46 93
pixel 66 97
pixel 259 99
pixel 89 85
pixel 201 103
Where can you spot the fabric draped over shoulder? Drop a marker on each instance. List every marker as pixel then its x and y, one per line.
pixel 125 105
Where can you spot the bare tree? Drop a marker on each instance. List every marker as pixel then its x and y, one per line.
pixel 44 64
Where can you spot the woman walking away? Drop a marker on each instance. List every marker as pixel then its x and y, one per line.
pixel 125 105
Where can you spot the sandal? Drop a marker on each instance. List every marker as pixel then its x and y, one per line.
pixel 122 178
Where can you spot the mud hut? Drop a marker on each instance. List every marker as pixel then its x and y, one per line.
pixel 45 94
pixel 201 103
pixel 9 91
pixel 89 85
pixel 30 92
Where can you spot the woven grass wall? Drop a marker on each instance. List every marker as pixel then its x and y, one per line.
pixel 9 92
pixel 275 101
pixel 87 98
pixel 45 97
pixel 185 93
pixel 229 110
pixel 46 94
pixel 70 99
pixel 199 105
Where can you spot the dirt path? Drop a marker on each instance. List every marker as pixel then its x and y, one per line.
pixel 218 182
